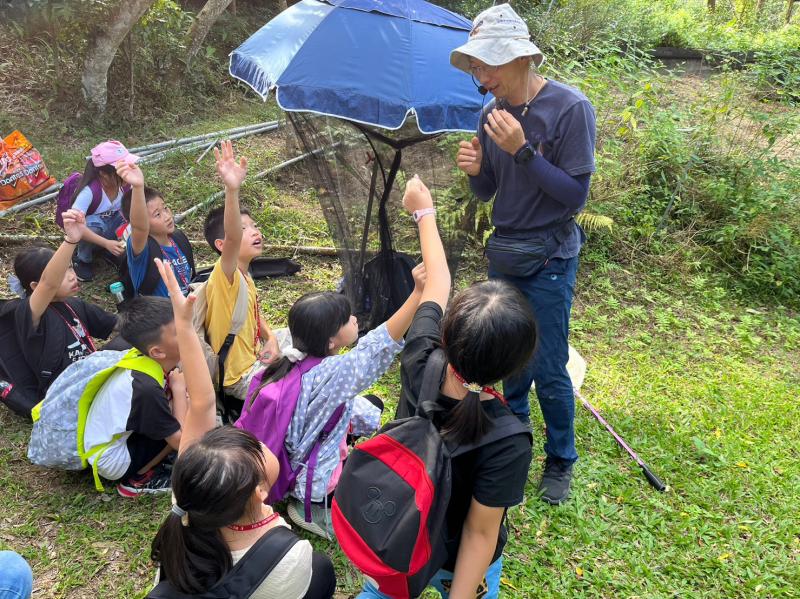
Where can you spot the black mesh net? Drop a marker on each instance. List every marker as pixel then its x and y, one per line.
pixel 360 173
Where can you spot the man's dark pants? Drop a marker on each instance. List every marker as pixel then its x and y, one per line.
pixel 549 293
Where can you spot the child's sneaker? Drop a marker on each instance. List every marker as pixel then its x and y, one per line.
pixel 83 271
pixel 156 480
pixel 321 524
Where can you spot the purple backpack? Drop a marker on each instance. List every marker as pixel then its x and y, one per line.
pixel 267 416
pixel 67 191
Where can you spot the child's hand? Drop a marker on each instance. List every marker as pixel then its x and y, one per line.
pixel 182 306
pixel 177 383
pixel 74 225
pixel 420 277
pixel 130 173
pixel 270 352
pixel 231 173
pixel 417 196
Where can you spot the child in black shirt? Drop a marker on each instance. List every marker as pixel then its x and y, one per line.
pixel 54 328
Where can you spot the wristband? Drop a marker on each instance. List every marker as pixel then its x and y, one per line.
pixel 71 242
pixel 418 214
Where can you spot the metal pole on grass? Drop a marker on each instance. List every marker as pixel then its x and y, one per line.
pixel 651 477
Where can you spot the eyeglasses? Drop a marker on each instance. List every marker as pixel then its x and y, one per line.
pixel 478 71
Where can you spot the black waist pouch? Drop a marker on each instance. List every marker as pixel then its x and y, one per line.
pixel 524 257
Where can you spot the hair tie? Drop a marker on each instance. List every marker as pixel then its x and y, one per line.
pixel 181 513
pixel 293 354
pixel 16 286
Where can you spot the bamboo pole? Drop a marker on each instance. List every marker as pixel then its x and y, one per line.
pixel 144 150
pixel 300 249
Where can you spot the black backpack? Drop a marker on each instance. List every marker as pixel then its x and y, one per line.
pixel 246 576
pixel 23 392
pixel 390 503
pixel 151 277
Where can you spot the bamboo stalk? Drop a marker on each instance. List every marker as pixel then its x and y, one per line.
pixel 300 249
pixel 142 150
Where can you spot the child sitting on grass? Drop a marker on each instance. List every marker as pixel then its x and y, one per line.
pixel 219 518
pixel 53 327
pixel 134 408
pixel 153 235
pixel 231 232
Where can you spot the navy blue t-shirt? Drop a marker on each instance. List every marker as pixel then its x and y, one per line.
pixel 137 266
pixel 560 124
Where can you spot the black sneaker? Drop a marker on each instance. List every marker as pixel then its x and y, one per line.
pixel 153 481
pixel 555 482
pixel 83 271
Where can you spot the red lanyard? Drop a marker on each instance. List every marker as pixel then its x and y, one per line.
pixel 78 338
pixel 177 271
pixel 254 525
pixel 489 390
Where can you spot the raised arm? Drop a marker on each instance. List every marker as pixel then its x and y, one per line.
pixel 201 416
pixel 437 286
pixel 232 174
pixel 47 286
pixel 140 220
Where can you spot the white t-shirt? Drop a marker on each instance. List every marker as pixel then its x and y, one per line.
pixel 84 200
pixel 291 578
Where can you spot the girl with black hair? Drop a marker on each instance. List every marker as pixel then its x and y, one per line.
pixel 487 333
pixel 220 481
pixel 99 196
pixel 53 327
pixel 328 406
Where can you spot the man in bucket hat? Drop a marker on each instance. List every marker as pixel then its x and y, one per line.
pixel 534 153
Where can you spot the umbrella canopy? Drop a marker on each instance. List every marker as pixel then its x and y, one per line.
pixel 369 61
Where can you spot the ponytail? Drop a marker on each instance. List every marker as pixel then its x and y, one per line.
pixel 467 422
pixel 192 559
pixel 274 372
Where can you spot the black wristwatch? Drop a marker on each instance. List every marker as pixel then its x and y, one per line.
pixel 525 154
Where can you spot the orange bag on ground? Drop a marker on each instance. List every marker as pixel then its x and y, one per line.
pixel 22 170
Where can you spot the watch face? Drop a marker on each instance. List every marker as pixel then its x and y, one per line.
pixel 524 155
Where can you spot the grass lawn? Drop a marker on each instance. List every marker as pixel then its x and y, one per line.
pixel 703 386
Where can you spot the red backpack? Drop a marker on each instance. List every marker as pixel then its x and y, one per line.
pixel 390 504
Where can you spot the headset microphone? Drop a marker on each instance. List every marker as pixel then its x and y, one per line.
pixel 482 90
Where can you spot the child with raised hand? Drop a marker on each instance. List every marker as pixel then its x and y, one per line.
pixel 328 406
pixel 100 180
pixel 53 327
pixel 487 334
pixel 153 234
pixel 220 481
pixel 231 232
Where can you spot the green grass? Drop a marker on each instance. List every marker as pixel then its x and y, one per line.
pixel 703 388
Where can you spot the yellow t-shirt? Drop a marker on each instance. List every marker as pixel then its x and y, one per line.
pixel 221 298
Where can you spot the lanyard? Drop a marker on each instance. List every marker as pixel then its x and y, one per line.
pixel 177 271
pixel 87 338
pixel 474 387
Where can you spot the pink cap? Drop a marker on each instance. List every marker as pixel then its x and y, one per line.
pixel 111 152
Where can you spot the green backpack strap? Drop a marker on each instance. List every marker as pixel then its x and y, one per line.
pixel 133 360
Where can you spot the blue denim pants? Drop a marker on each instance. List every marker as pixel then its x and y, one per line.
pixel 16 578
pixel 490 589
pixel 549 293
pixel 105 224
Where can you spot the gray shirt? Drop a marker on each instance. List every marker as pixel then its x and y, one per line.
pixel 560 124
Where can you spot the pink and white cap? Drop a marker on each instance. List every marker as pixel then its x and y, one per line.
pixel 111 152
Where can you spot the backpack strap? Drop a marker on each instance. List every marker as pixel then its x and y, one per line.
pixel 151 276
pixel 312 458
pixel 506 425
pixel 180 239
pixel 238 317
pixel 431 383
pixel 97 196
pixel 247 575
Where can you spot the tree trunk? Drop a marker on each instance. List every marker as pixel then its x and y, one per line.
pixel 712 5
pixel 789 10
pixel 103 47
pixel 759 8
pixel 202 25
pixel 282 5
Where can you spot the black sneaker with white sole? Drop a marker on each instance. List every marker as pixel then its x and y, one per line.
pixel 157 480
pixel 556 479
pixel 83 271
